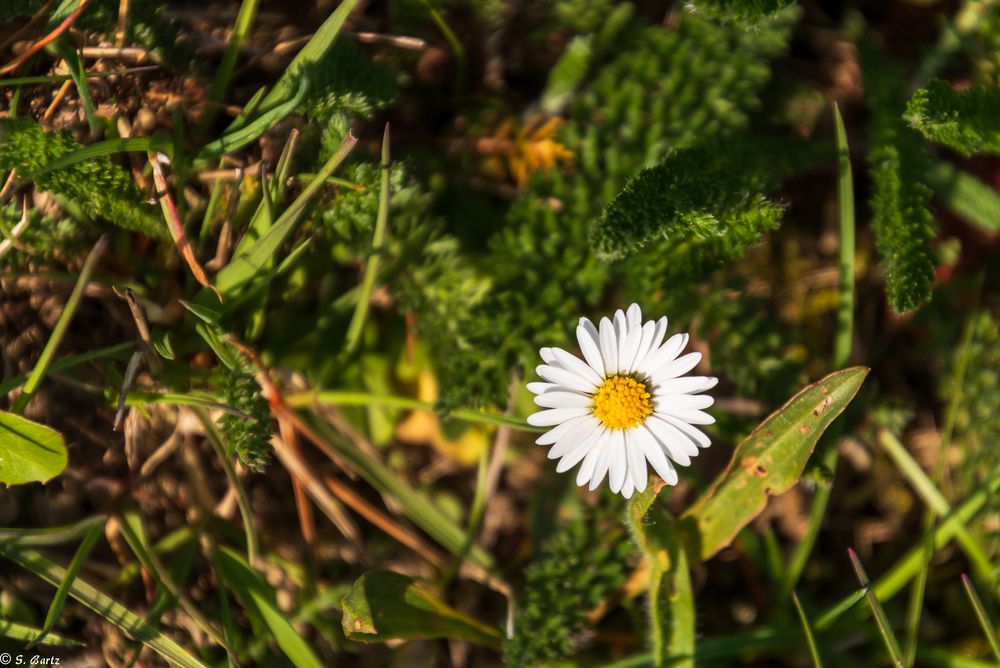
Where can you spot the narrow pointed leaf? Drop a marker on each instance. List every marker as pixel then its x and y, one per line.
pixel 258 595
pixel 103 605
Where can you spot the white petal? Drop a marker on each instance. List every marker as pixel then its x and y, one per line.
pixel 634 316
pixel 538 388
pixel 678 367
pixel 689 444
pixel 669 402
pixel 572 400
pixel 692 432
pixel 560 430
pixel 687 385
pixel 648 331
pixel 580 432
pixel 621 331
pixel 609 346
pixel 654 454
pixel 547 356
pixel 629 487
pixel 589 463
pixel 564 377
pixel 577 366
pixel 554 416
pixel 690 415
pixel 636 460
pixel 587 337
pixel 672 441
pixel 573 457
pixel 603 464
pixel 664 354
pixel 629 349
pixel 619 463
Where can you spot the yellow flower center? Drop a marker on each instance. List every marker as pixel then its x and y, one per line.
pixel 621 402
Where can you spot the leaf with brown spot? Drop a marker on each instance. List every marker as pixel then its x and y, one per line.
pixel 768 462
pixel 384 605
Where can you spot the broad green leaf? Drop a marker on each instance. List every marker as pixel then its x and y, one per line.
pixel 767 463
pixel 29 452
pixel 258 595
pixel 103 605
pixel 671 604
pixel 384 605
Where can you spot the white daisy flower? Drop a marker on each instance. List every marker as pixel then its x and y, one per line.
pixel 627 404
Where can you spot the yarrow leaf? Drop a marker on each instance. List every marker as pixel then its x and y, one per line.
pixel 898 164
pixel 967 121
pixel 99 186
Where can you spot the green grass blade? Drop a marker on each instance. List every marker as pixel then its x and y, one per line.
pixel 79 558
pixel 107 147
pixel 70 362
pixel 242 500
pixel 237 139
pixel 249 262
pixel 255 593
pixel 910 564
pixel 671 604
pixel 841 351
pixel 42 366
pixel 224 74
pixel 891 644
pixel 375 256
pixel 313 51
pixel 984 619
pixel 350 398
pixel 936 502
pixel 103 605
pixel 59 78
pixel 845 199
pixel 807 630
pixel 50 535
pixel 22 633
pixel 79 75
pixel 132 529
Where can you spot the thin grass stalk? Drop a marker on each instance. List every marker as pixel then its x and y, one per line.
pixel 42 366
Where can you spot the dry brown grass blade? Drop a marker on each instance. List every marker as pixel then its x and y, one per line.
pixel 383 521
pixel 14 38
pixel 43 42
pixel 307 523
pixel 299 469
pixel 175 226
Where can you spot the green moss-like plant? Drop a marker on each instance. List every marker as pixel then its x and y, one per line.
pixel 898 164
pixel 967 121
pixel 99 187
